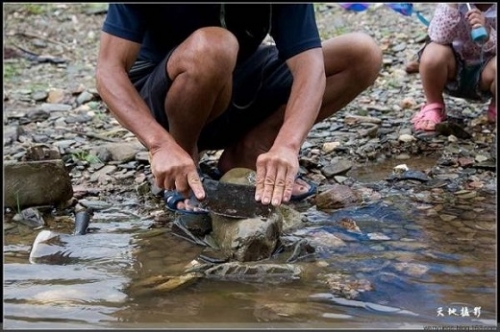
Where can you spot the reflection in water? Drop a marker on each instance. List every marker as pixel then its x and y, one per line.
pixel 463 260
pixel 405 259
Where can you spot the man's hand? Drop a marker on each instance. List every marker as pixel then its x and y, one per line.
pixel 276 171
pixel 173 168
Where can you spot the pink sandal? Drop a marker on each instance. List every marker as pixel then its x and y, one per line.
pixel 429 116
pixel 492 113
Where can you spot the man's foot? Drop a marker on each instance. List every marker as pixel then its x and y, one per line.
pixel 302 189
pixel 177 203
pixel 429 116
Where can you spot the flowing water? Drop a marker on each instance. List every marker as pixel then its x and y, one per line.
pixel 424 270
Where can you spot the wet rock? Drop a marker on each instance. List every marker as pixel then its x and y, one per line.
pixel 101 174
pixel 378 237
pixel 37 115
pixel 406 138
pixel 55 107
pixel 412 269
pixel 368 151
pixel 40 96
pixel 95 205
pixel 30 217
pixel 346 286
pixel 239 175
pixel 336 316
pixel 196 225
pixel 465 162
pixel 348 224
pixel 36 183
pixel 155 190
pixel 56 96
pixel 480 158
pixel 11 134
pixel 120 152
pixel 338 166
pixel 354 119
pixel 63 145
pixel 142 156
pixel 408 102
pixel 42 152
pixel 291 218
pixel 253 271
pixel 336 197
pixel 409 175
pixel 246 239
pixel 320 238
pixel 447 128
pixel 367 195
pixel 159 284
pixel 340 179
pixel 330 146
pixel 370 132
pixel 270 310
pixel 84 97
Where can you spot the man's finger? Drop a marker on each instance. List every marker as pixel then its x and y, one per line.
pixel 289 183
pixel 182 186
pixel 168 184
pixel 159 180
pixel 196 186
pixel 269 181
pixel 279 186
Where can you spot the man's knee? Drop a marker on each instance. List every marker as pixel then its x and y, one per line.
pixel 358 53
pixel 368 55
pixel 207 52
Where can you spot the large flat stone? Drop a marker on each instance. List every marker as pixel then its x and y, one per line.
pixel 36 183
pixel 246 239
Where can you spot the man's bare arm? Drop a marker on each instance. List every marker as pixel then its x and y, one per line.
pixel 170 164
pixel 306 96
pixel 276 169
pixel 116 57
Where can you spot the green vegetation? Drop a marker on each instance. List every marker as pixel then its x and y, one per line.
pixel 17 202
pixel 34 8
pixel 85 156
pixel 10 70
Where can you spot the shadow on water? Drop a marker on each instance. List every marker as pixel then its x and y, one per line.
pixel 402 269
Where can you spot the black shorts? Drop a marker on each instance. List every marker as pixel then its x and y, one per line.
pixel 261 84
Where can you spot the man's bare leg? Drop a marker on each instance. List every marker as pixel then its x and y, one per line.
pixel 201 71
pixel 352 63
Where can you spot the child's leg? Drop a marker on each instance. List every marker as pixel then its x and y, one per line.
pixel 489 83
pixel 437 67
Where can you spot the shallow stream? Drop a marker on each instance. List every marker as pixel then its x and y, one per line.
pixel 423 269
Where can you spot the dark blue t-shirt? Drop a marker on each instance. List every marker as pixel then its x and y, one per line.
pixel 159 28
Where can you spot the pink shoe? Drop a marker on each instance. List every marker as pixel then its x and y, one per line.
pixel 492 113
pixel 429 116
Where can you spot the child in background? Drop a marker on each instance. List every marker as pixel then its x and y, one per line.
pixel 452 63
